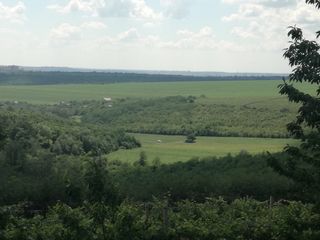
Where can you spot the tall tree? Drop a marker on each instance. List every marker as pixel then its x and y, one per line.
pixel 303 161
pixel 99 185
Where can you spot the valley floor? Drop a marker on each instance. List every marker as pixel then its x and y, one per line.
pixel 170 149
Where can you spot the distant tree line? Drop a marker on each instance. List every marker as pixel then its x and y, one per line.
pixel 41 78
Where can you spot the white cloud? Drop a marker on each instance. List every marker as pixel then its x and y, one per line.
pixel 94 25
pixel 202 39
pixel 298 13
pixel 128 37
pixel 266 21
pixel 73 6
pixel 246 11
pixel 176 8
pixel 269 3
pixel 65 32
pixel 15 13
pixel 110 8
pixel 142 10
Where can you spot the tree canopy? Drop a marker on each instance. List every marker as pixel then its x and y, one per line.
pixel 303 162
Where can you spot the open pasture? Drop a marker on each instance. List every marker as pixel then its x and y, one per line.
pixel 227 92
pixel 173 148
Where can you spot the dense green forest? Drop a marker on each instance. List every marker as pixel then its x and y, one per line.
pixel 176 116
pixel 40 78
pixel 212 219
pixel 229 177
pixel 37 152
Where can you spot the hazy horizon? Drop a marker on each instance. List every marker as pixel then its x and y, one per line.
pixel 133 70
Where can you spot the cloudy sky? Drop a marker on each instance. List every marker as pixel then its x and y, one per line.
pixel 197 35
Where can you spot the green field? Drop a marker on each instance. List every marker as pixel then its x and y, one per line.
pixel 229 92
pixel 173 148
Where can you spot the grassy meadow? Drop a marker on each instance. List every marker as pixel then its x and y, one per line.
pixel 228 92
pixel 173 148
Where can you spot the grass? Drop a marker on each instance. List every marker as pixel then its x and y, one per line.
pixel 228 92
pixel 174 149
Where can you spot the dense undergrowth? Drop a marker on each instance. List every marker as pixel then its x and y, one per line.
pixel 213 219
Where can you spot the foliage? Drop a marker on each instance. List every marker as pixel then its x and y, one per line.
pixel 178 116
pixel 142 159
pixel 42 77
pixel 191 138
pixel 42 156
pixel 230 177
pixel 212 219
pixel 99 185
pixel 304 163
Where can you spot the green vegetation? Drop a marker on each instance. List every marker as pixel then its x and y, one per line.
pixel 243 175
pixel 190 138
pixel 172 149
pixel 224 92
pixel 57 184
pixel 70 170
pixel 235 108
pixel 303 165
pixel 177 116
pixel 37 153
pixel 213 219
pixel 21 77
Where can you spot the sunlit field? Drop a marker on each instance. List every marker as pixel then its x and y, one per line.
pixel 218 91
pixel 172 149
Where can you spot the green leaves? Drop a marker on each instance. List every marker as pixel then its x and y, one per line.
pixel 212 219
pixel 314 2
pixel 295 33
pixel 303 163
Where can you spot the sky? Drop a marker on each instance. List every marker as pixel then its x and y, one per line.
pixel 187 35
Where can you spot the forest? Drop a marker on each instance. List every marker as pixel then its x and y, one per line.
pixel 20 77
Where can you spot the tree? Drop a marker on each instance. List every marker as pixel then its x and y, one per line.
pixel 303 161
pixel 100 188
pixel 102 194
pixel 191 138
pixel 142 159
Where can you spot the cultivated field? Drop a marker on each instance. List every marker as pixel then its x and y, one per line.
pixel 174 149
pixel 228 92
